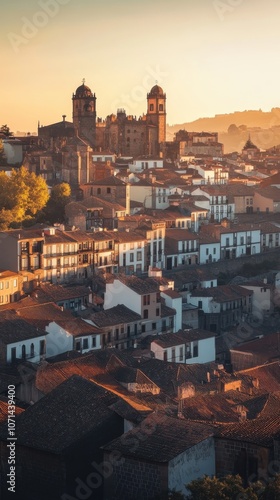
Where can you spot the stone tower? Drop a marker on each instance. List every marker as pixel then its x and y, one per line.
pixel 156 118
pixel 84 114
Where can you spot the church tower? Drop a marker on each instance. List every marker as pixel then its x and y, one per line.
pixel 156 119
pixel 84 114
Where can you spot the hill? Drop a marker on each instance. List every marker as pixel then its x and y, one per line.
pixel 263 126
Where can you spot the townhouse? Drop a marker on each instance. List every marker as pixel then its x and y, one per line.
pixel 10 287
pixel 141 163
pixel 143 296
pixel 267 199
pixel 270 234
pixel 221 202
pixel 181 247
pixel 235 239
pixel 221 307
pixel 185 346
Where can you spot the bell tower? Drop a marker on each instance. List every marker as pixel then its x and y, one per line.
pixel 156 118
pixel 84 114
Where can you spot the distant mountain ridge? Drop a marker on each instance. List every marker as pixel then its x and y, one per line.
pixel 264 127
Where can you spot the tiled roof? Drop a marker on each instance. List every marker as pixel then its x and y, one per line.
pixel 53 293
pixel 141 286
pixel 39 316
pixel 172 339
pixel 223 293
pixel 114 316
pixel 73 409
pixel 13 328
pixel 180 234
pixel 267 346
pixel 4 410
pixel 268 376
pixel 260 431
pixel 166 438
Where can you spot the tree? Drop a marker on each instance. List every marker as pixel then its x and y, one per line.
pixel 5 130
pixel 230 487
pixel 55 209
pixel 233 129
pixel 22 195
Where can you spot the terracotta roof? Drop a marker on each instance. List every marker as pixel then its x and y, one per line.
pixel 223 293
pixel 15 329
pixel 141 286
pixel 267 347
pixel 180 234
pixel 261 430
pixel 166 438
pixel 172 339
pixel 74 409
pixel 114 316
pixel 53 293
pixel 4 410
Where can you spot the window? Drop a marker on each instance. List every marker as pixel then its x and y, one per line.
pixel 14 353
pixel 85 343
pixel 195 349
pixel 1 285
pixel 151 107
pixel 181 354
pixel 157 311
pixel 131 246
pixel 78 345
pixel 32 350
pixel 139 255
pixel 131 257
pixel 15 283
pixel 42 347
pixel 164 355
pixel 98 190
pixel 160 108
pixel 173 355
pixel 117 334
pixel 154 325
pixel 200 304
pixel 108 190
pixel 146 300
pixel 7 284
pixel 128 331
pixel 23 352
pixel 146 313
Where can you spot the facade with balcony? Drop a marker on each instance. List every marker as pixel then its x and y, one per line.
pixel 181 247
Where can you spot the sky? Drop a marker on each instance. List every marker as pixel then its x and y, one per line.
pixel 209 56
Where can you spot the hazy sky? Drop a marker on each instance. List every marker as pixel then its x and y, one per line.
pixel 210 57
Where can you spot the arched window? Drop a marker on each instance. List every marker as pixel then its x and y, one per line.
pixel 32 350
pixel 151 107
pixel 23 352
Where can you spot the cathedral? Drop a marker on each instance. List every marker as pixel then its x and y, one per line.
pixel 119 133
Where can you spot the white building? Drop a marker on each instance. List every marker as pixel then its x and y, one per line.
pixel 188 346
pixel 144 163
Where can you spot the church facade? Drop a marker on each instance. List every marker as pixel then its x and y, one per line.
pixel 118 133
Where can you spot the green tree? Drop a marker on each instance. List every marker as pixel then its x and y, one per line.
pixel 22 195
pixel 55 209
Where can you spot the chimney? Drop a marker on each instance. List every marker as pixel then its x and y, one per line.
pixel 208 377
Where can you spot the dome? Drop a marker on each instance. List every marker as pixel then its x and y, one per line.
pixel 156 90
pixel 83 91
